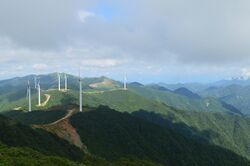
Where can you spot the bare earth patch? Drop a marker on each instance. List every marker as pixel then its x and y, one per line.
pixel 63 129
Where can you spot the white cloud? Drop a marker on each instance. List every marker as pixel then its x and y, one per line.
pixel 40 66
pixel 100 63
pixel 20 67
pixel 84 15
pixel 245 73
pixel 169 36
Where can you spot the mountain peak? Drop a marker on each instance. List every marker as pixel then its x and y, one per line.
pixel 186 92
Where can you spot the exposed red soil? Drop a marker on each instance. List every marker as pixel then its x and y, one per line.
pixel 63 129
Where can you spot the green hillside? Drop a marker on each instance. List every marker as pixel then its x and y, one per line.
pixel 28 157
pixel 13 91
pixel 226 130
pixel 236 95
pixel 205 122
pixel 127 101
pixel 50 81
pixel 25 156
pixel 37 117
pixel 16 96
pixel 13 133
pixel 22 145
pixel 125 135
pixel 208 104
pixel 221 128
pixel 202 127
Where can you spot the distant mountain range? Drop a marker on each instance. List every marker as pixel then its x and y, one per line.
pixel 234 92
pixel 181 98
pixel 196 87
pixel 235 95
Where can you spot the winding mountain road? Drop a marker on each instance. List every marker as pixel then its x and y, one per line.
pixel 63 129
pixel 100 92
pixel 46 100
pixel 69 114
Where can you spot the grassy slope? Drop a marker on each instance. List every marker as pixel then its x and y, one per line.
pixel 18 99
pixel 230 131
pixel 16 95
pixel 236 95
pixel 179 101
pixel 200 121
pixel 112 135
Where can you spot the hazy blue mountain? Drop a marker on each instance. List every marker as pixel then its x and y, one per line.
pixel 135 84
pixel 158 87
pixel 235 95
pixel 180 101
pixel 224 83
pixel 195 87
pixel 187 93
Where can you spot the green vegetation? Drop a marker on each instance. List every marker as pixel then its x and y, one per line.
pixel 124 101
pixel 113 135
pixel 28 157
pixel 225 130
pixel 182 102
pixel 17 95
pixel 236 95
pixel 18 99
pixel 36 117
pixel 204 122
pixel 13 133
pixel 25 156
pixel 207 120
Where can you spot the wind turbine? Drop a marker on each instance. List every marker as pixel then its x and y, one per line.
pixel 39 93
pixel 125 82
pixel 35 82
pixel 80 91
pixel 65 82
pixel 59 81
pixel 29 95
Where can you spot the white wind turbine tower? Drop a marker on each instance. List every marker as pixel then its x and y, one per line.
pixel 80 91
pixel 29 95
pixel 39 93
pixel 125 82
pixel 35 80
pixel 65 82
pixel 59 81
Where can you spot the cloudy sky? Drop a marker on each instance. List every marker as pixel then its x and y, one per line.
pixel 150 40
